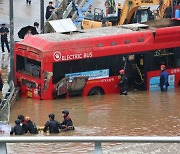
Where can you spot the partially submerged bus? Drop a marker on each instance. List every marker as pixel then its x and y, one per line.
pixel 88 62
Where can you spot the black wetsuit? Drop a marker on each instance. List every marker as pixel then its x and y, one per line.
pixel 31 128
pixel 53 126
pixel 66 123
pixel 17 130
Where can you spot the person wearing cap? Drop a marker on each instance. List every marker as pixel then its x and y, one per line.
pixel 163 79
pixel 52 125
pixel 17 129
pixel 67 123
pixel 30 126
pixel 123 84
pixel 4 31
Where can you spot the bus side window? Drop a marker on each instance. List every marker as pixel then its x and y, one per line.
pixel 177 50
pixel 164 56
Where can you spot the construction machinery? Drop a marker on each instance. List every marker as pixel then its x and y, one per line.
pixel 133 11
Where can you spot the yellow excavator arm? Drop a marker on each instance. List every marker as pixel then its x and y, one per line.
pixel 131 6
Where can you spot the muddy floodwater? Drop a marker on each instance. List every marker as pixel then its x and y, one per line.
pixel 137 114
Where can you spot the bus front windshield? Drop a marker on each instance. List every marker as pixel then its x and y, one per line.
pixel 28 66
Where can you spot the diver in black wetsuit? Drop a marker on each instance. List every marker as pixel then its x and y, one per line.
pixel 52 125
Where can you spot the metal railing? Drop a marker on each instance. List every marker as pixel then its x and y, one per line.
pixel 6 102
pixel 87 139
pixel 66 12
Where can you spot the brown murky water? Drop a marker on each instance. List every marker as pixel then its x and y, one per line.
pixel 137 114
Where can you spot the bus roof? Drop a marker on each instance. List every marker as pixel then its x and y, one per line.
pixel 45 42
pixel 103 39
pixel 91 33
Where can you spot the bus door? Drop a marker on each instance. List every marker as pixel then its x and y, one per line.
pixel 135 71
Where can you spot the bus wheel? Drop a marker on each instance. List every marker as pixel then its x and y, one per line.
pixel 96 91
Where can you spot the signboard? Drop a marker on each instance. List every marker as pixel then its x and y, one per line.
pixel 96 74
pixel 154 82
pixel 58 56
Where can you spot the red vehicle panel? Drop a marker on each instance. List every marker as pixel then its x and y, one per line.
pixel 41 61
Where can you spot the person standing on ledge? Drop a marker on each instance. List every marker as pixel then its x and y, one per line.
pixel 3 32
pixel 49 10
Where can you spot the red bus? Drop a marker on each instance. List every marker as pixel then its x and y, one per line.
pixel 45 63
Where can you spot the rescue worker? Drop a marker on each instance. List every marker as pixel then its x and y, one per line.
pixel 163 79
pixel 52 125
pixel 123 83
pixel 30 126
pixel 111 6
pixel 67 123
pixel 17 129
pixel 22 121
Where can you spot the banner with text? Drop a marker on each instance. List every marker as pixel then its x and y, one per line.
pixel 96 74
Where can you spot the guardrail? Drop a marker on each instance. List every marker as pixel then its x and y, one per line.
pixel 93 139
pixel 6 102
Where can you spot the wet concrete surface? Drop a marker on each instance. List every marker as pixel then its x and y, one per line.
pixel 24 14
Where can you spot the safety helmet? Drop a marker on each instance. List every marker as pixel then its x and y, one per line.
pixel 51 116
pixel 121 71
pixel 27 118
pixel 65 112
pixel 17 122
pixel 163 67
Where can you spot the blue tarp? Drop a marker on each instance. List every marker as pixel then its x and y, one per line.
pixel 81 10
